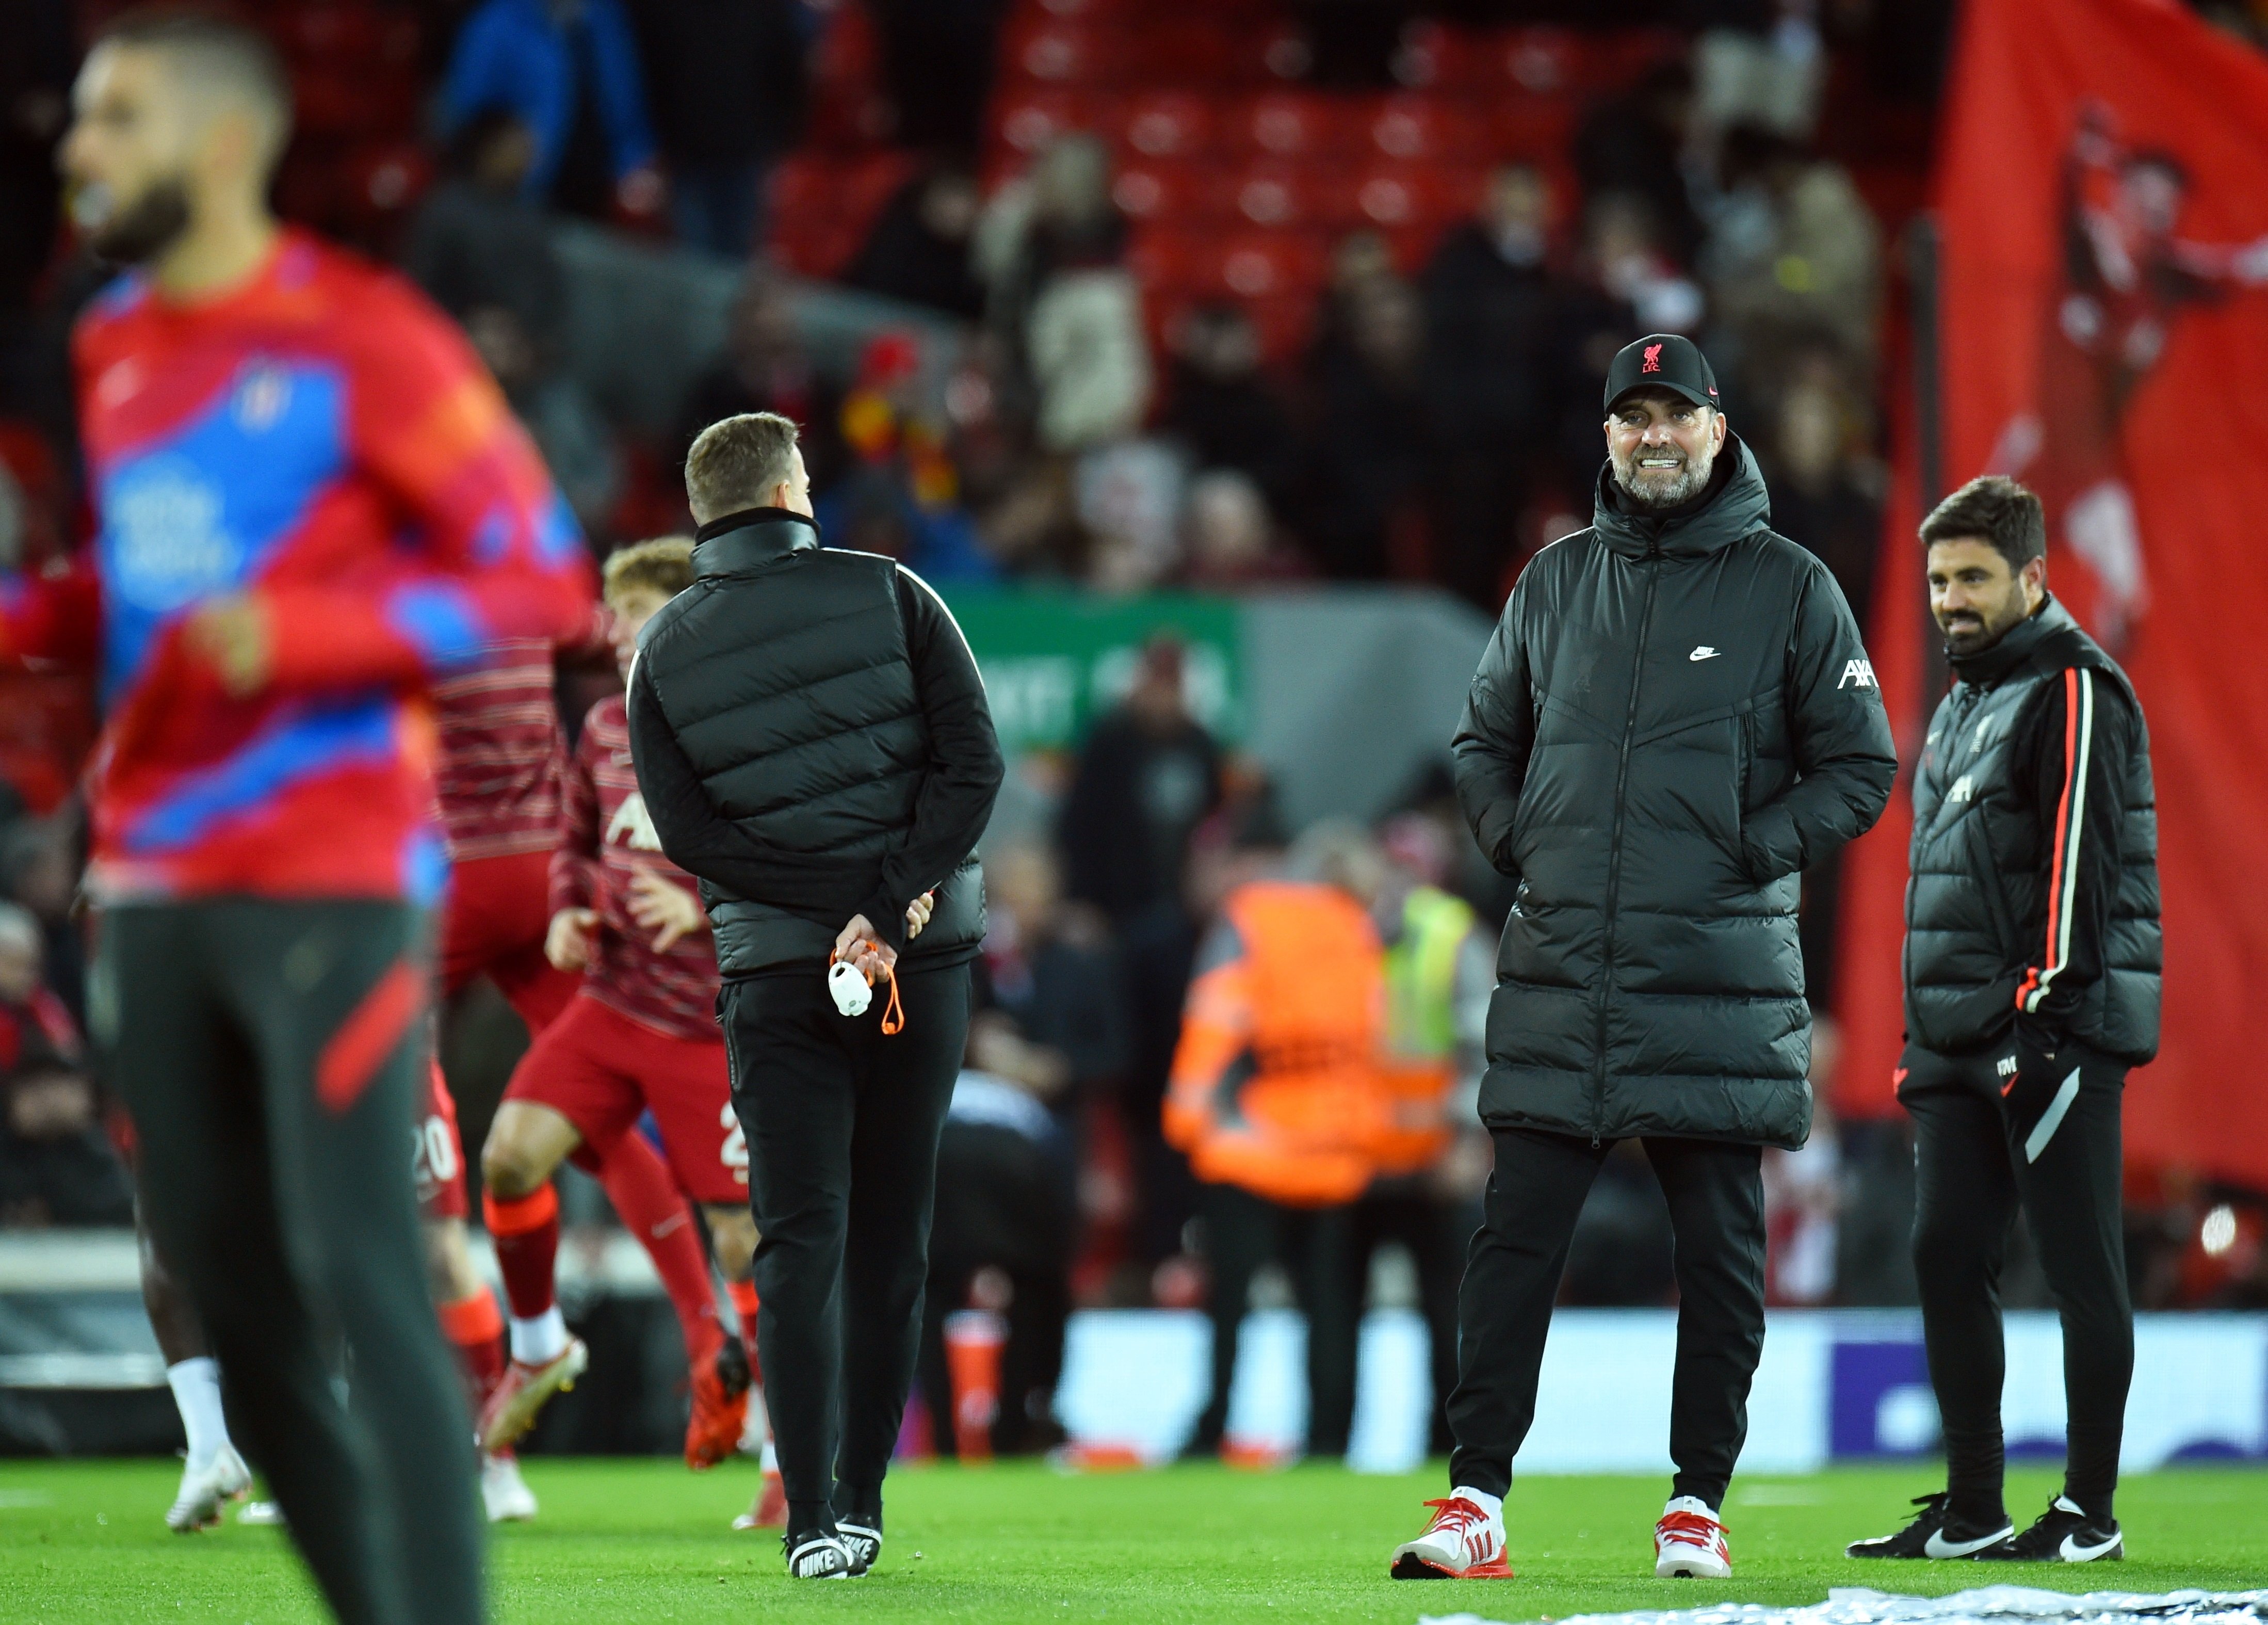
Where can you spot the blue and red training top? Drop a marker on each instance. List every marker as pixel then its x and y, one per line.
pixel 324 440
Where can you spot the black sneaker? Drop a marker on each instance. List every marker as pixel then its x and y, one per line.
pixel 862 1541
pixel 1934 1534
pixel 818 1555
pixel 2064 1534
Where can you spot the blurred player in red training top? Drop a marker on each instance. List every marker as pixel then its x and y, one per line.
pixel 312 501
pixel 496 794
pixel 642 1037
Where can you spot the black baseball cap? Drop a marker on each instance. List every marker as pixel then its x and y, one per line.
pixel 1668 360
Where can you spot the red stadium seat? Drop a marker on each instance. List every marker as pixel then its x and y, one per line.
pixel 1196 50
pixel 1264 264
pixel 1168 260
pixel 1026 121
pixel 1275 53
pixel 1167 124
pixel 1285 323
pixel 1277 196
pixel 1067 54
pixel 1160 190
pixel 1429 129
pixel 1535 127
pixel 1288 124
pixel 1542 61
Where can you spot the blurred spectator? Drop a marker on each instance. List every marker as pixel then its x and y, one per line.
pixel 919 250
pixel 35 76
pixel 1770 74
pixel 1275 1099
pixel 902 497
pixel 56 1165
pixel 1826 495
pixel 1000 1245
pixel 1129 498
pixel 1635 143
pixel 764 368
pixel 39 864
pixel 1147 775
pixel 1627 260
pixel 1794 260
pixel 1221 406
pixel 569 70
pixel 1049 250
pixel 725 81
pixel 937 64
pixel 483 250
pixel 480 244
pixel 1493 313
pixel 1051 970
pixel 1364 463
pixel 1229 537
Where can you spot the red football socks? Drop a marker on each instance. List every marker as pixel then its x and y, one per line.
pixel 525 1232
pixel 474 1328
pixel 647 1202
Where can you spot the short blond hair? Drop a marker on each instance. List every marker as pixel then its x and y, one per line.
pixel 663 566
pixel 737 463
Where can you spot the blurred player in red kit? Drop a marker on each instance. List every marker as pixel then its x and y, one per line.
pixel 312 501
pixel 496 795
pixel 642 1037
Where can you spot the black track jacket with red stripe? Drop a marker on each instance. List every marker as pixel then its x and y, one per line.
pixel 2033 902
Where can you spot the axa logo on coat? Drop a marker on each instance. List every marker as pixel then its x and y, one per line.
pixel 1859 672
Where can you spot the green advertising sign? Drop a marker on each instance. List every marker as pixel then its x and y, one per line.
pixel 1053 661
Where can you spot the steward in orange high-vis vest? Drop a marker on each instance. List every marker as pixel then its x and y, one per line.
pixel 1276 1085
pixel 1275 1097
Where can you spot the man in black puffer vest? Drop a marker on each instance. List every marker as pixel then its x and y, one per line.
pixel 2032 962
pixel 812 743
pixel 1674 717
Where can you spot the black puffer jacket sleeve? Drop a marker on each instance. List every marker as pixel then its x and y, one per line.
pixel 1844 756
pixel 1495 736
pixel 965 767
pixel 703 842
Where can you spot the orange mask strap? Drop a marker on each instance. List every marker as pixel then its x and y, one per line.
pixel 894 1014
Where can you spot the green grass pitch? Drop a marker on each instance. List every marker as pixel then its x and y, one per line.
pixel 626 1542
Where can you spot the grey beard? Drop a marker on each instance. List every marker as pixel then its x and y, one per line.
pixel 1687 486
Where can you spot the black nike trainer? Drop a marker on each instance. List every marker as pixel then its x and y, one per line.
pixel 1935 1533
pixel 2066 1534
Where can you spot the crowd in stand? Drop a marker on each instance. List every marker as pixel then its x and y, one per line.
pixel 1430 416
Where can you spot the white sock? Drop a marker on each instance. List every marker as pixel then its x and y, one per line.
pixel 541 1341
pixel 1493 1505
pixel 196 1395
pixel 770 1457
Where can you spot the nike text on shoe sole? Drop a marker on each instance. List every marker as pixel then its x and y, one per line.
pixel 1938 1546
pixel 864 1545
pixel 1411 1565
pixel 820 1558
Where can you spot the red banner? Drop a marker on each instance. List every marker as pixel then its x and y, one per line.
pixel 2103 287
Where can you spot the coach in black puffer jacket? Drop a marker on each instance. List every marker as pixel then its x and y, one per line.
pixel 813 744
pixel 1674 718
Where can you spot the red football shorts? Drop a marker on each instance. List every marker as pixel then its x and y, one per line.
pixel 436 1157
pixel 499 912
pixel 600 1070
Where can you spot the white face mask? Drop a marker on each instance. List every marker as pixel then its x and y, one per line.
pixel 849 988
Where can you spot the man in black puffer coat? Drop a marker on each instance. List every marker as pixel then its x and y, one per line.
pixel 1674 717
pixel 812 743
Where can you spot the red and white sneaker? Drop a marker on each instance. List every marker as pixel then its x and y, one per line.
pixel 521 1392
pixel 770 1508
pixel 1465 1541
pixel 720 1407
pixel 1689 1542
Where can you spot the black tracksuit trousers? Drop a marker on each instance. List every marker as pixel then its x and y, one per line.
pixel 1243 1232
pixel 1970 1176
pixel 268 1053
pixel 1715 1198
pixel 843 1125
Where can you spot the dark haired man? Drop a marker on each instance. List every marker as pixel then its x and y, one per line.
pixel 2032 963
pixel 812 743
pixel 1674 717
pixel 311 502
